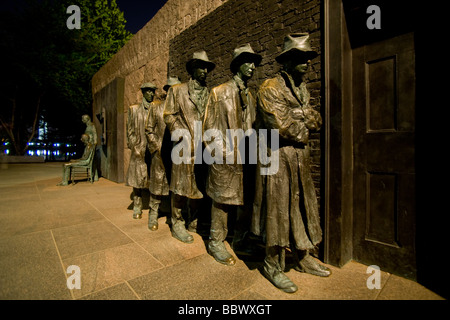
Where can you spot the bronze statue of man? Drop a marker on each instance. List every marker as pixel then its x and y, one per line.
pixel 287 209
pixel 88 153
pixel 158 184
pixel 184 107
pixel 137 174
pixel 91 131
pixel 90 128
pixel 231 106
pixel 170 82
pixel 155 130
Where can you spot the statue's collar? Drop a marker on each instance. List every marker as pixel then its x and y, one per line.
pixel 241 84
pixel 194 84
pixel 146 104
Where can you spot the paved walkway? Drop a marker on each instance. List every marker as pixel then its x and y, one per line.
pixel 44 229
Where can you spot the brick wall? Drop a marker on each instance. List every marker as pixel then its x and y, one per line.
pixel 263 24
pixel 144 58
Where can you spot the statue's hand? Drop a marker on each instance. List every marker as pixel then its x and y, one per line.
pixel 297 113
pixel 137 151
pixel 313 120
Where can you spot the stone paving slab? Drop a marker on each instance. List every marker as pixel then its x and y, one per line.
pixel 44 229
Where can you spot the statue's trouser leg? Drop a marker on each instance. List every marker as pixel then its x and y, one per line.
pixel 153 214
pixel 178 225
pixel 177 203
pixel 194 206
pixel 298 255
pixel 66 173
pixel 219 224
pixel 137 202
pixel 218 234
pixel 275 258
pixel 242 226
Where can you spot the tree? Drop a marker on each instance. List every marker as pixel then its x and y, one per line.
pixel 47 68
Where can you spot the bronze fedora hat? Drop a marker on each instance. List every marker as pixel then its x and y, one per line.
pixel 243 54
pixel 296 44
pixel 170 82
pixel 148 85
pixel 202 58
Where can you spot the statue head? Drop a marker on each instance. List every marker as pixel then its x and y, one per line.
pixel 85 118
pixel 297 53
pixel 85 138
pixel 199 66
pixel 170 82
pixel 148 91
pixel 244 61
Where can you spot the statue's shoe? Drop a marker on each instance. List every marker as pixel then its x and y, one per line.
pixel 179 232
pixel 220 253
pixel 279 279
pixel 309 265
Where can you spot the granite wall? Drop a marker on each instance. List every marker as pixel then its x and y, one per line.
pixel 145 58
pixel 167 41
pixel 263 24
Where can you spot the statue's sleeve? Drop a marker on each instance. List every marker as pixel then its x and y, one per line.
pixel 150 133
pixel 84 160
pixel 172 111
pixel 94 133
pixel 214 118
pixel 276 115
pixel 131 138
pixel 313 119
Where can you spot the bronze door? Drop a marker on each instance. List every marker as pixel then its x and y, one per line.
pixel 383 106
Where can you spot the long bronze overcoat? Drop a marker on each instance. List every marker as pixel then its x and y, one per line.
pixel 154 131
pixel 137 174
pixel 180 112
pixel 285 203
pixel 225 183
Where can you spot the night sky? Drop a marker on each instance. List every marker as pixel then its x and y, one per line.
pixel 136 12
pixel 139 12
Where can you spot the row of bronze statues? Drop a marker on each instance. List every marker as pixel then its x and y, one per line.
pixel 280 207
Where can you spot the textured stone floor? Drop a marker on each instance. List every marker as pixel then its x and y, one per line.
pixel 44 229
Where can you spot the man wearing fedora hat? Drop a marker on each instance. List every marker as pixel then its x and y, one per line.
pixel 158 146
pixel 155 130
pixel 286 206
pixel 170 82
pixel 137 174
pixel 185 105
pixel 231 106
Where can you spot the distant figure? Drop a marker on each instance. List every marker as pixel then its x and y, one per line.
pixel 155 129
pixel 170 82
pixel 138 169
pixel 88 153
pixel 91 131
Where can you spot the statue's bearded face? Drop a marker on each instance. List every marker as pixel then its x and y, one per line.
pixel 200 73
